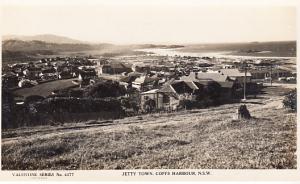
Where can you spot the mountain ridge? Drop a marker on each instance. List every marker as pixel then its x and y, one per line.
pixel 49 38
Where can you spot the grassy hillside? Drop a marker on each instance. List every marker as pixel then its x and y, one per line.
pixel 198 139
pixel 26 46
pixel 26 50
pixel 50 38
pixel 20 51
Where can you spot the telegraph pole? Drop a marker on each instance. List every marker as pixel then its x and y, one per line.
pixel 271 74
pixel 245 81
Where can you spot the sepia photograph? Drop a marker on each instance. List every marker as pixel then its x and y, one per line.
pixel 140 85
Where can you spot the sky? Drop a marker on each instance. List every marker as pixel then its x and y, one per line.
pixel 153 23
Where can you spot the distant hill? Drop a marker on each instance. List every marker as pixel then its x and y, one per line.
pixel 24 50
pixel 16 49
pixel 19 45
pixel 145 46
pixel 50 38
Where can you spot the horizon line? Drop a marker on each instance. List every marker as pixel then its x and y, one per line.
pixel 141 43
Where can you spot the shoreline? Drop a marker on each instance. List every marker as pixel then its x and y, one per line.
pixel 224 54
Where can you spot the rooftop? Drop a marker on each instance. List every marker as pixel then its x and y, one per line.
pixel 204 76
pixel 234 73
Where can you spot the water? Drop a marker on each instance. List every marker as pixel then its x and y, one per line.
pixel 224 54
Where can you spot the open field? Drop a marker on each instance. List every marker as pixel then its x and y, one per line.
pixel 196 139
pixel 45 89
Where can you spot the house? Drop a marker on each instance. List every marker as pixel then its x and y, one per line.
pixel 144 83
pixel 32 73
pixel 205 64
pixel 95 61
pixel 132 76
pixel 228 66
pixel 27 83
pixel 85 76
pixel 116 68
pixel 47 70
pixel 48 73
pixel 98 70
pixel 159 99
pixel 18 68
pixel 65 75
pixel 228 89
pixel 236 75
pixel 18 72
pixel 194 76
pixel 184 89
pixel 143 68
pixel 128 79
pixel 266 73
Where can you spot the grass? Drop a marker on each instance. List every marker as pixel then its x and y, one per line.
pixel 198 139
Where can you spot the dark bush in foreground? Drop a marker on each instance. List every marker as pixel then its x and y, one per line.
pixel 105 89
pixel 290 100
pixel 194 104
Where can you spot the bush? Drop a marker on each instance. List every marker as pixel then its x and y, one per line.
pixel 68 92
pixel 213 90
pixel 105 89
pixel 253 88
pixel 7 108
pixel 75 105
pixel 290 100
pixel 33 99
pixel 195 104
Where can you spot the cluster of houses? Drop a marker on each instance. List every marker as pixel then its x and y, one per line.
pixel 164 81
pixel 169 95
pixel 45 70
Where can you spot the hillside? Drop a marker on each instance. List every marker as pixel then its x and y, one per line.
pixel 50 38
pixel 26 46
pixel 24 50
pixel 196 139
pixel 19 50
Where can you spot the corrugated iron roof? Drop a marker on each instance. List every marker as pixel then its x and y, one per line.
pixel 205 76
pixel 234 73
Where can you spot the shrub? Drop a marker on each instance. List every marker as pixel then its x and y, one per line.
pixel 105 89
pixel 75 105
pixel 149 105
pixel 253 88
pixel 195 104
pixel 213 90
pixel 7 108
pixel 33 99
pixel 290 100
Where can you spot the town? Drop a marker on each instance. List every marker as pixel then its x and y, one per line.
pixel 194 90
pixel 116 87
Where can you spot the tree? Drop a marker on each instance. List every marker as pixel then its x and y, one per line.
pixel 290 100
pixel 8 106
pixel 33 98
pixel 149 105
pixel 208 94
pixel 105 89
pixel 213 90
